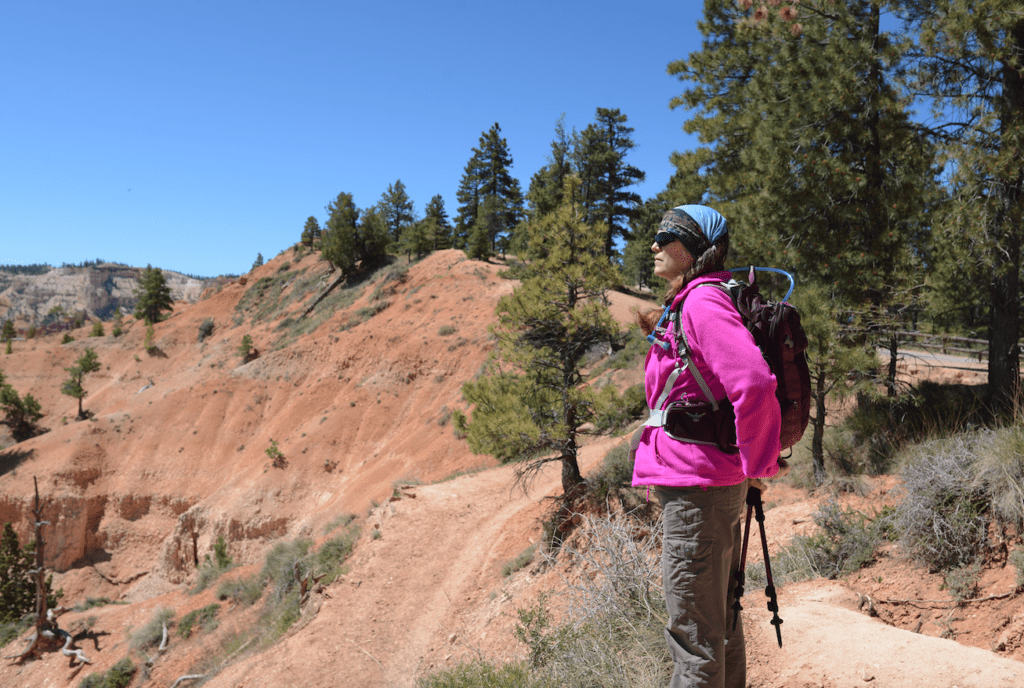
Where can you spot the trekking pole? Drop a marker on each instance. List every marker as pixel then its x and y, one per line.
pixel 741 575
pixel 754 500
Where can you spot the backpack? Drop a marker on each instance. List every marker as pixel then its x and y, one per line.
pixel 776 328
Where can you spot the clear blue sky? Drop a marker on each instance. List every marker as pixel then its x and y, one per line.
pixel 193 135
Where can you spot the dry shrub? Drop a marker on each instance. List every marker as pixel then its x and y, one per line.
pixel 614 631
pixel 941 518
pixel 998 468
pixel 844 542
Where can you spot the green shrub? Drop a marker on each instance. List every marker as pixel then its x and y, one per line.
pixel 119 676
pixel 204 617
pixel 275 454
pixel 519 561
pixel 446 330
pixel 844 542
pixel 330 559
pixel 211 569
pixel 612 634
pixel 67 338
pixel 97 329
pixel 998 468
pixel 445 416
pixel 205 329
pixel 338 522
pixel 244 591
pixel 1017 559
pixel 91 602
pixel 280 565
pixel 614 475
pixel 220 553
pixel 152 633
pixel 614 412
pixel 9 630
pixel 962 581
pixel 479 674
pixel 245 348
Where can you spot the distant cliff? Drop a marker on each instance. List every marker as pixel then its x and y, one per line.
pixel 95 290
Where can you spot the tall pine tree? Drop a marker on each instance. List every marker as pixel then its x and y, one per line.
pixel 599 155
pixel 970 59
pixel 488 175
pixel 439 228
pixel 397 209
pixel 534 404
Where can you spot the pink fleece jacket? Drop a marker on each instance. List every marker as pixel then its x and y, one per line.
pixel 732 365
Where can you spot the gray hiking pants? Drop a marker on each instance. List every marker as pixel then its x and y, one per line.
pixel 701 550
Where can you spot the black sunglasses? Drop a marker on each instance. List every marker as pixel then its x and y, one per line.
pixel 663 239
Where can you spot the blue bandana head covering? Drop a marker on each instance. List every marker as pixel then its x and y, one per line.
pixel 697 226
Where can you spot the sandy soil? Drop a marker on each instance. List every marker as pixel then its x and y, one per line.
pixel 174 457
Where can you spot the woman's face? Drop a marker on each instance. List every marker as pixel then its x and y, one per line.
pixel 671 259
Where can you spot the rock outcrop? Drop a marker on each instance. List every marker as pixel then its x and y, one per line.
pixel 96 290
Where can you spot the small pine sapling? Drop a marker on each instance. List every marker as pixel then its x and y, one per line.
pixel 246 350
pixel 87 363
pixel 274 452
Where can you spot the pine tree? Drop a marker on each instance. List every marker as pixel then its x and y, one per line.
pixel 637 264
pixel 534 401
pixel 969 60
pixel 599 153
pixel 338 243
pixel 20 413
pixel 487 175
pixel 87 363
pixel 545 193
pixel 439 229
pixel 311 231
pixel 17 587
pixel 397 210
pixel 418 237
pixel 8 331
pixel 153 294
pixel 546 186
pixel 373 238
pixel 352 238
pixel 17 579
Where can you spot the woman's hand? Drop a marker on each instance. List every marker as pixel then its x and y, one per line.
pixel 783 470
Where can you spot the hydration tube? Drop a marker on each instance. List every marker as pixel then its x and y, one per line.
pixel 652 339
pixel 792 282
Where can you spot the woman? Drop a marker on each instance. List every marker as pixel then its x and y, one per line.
pixel 702 487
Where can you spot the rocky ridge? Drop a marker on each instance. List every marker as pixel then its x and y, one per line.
pixel 96 291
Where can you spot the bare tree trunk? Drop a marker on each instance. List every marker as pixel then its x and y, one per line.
pixel 818 439
pixel 42 623
pixel 1004 315
pixel 894 344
